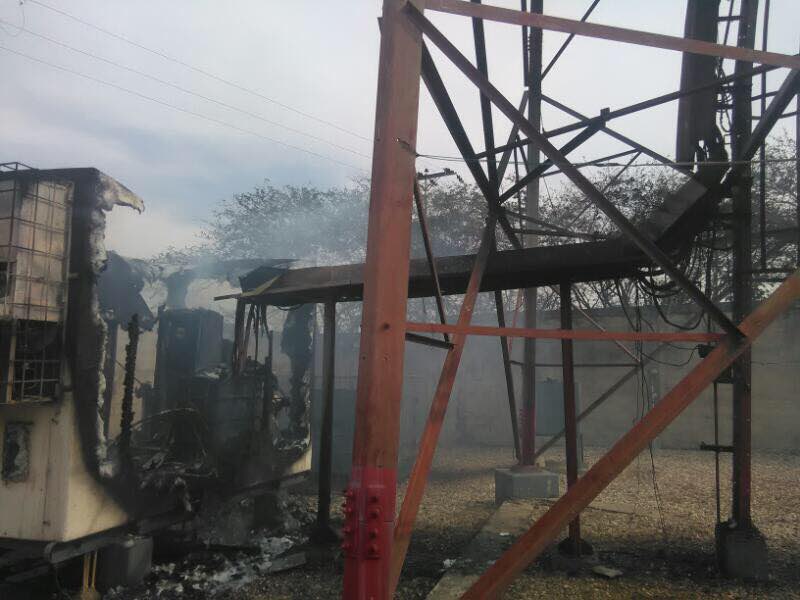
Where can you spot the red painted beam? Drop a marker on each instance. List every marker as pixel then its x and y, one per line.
pixel 607 32
pixel 587 488
pixel 370 498
pixel 441 398
pixel 564 334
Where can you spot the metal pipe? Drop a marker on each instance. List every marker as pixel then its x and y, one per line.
pixel 323 531
pixel 570 422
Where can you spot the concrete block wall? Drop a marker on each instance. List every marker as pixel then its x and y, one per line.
pixel 478 412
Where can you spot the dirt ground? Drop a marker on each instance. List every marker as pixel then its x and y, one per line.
pixel 662 554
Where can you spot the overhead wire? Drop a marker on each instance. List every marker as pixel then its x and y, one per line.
pixel 181 109
pixel 183 89
pixel 196 69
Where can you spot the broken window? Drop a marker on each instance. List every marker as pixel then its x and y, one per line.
pixel 3 280
pixel 16 451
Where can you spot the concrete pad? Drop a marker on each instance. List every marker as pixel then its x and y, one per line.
pixel 742 552
pixel 510 484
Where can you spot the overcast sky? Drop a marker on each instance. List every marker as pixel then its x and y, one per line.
pixel 183 154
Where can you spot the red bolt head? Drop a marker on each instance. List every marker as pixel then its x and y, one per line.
pixel 373 533
pixel 373 498
pixel 375 513
pixel 373 548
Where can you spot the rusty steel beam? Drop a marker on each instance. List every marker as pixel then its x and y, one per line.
pixel 426 240
pixel 441 398
pixel 528 546
pixel 645 244
pixel 616 34
pixel 562 334
pixel 370 497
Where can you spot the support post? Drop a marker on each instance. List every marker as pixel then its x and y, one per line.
pixel 572 545
pixel 323 533
pixel 504 349
pixel 742 269
pixel 531 210
pixel 370 497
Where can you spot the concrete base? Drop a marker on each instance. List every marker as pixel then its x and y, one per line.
pixel 510 484
pixel 742 552
pixel 124 563
pixel 565 558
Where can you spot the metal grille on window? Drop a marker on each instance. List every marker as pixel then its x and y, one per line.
pixel 34 233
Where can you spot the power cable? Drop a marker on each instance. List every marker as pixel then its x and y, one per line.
pixel 180 109
pixel 182 89
pixel 196 69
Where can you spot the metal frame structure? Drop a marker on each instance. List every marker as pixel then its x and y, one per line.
pixel 375 543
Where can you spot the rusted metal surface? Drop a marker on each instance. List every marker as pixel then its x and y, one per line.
pixel 370 498
pixel 586 488
pixel 607 32
pixel 564 334
pixel 433 426
pixel 647 245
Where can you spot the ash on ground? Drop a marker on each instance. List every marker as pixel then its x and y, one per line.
pixel 223 553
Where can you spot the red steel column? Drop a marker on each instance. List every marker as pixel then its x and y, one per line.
pixel 370 498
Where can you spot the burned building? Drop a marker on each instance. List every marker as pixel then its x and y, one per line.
pixel 117 417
